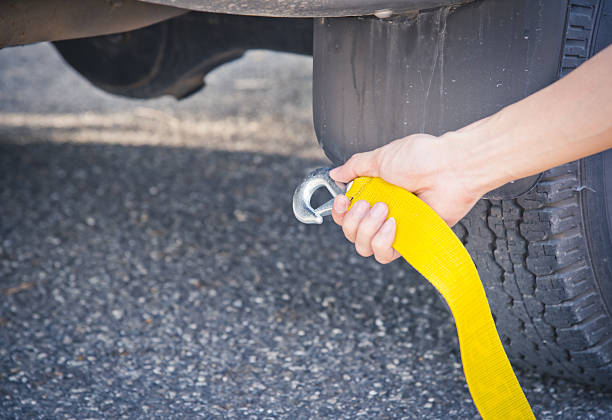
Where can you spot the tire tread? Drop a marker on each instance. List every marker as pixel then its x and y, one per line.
pixel 531 253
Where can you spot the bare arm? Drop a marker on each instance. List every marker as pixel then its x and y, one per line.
pixel 565 121
pixel 568 120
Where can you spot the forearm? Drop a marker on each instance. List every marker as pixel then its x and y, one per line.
pixel 565 121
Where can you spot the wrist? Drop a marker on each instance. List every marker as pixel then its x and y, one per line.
pixel 479 155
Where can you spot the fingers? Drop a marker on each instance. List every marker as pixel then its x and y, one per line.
pixel 341 205
pixel 382 243
pixel 360 164
pixel 368 227
pixel 353 218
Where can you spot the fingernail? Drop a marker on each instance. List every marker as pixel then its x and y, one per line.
pixel 332 173
pixel 379 210
pixel 388 227
pixel 341 203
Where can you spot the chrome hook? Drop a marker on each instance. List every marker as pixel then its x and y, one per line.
pixel 319 178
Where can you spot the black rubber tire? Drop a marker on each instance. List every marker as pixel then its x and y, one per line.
pixel 545 258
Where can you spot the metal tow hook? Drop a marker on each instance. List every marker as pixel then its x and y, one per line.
pixel 319 178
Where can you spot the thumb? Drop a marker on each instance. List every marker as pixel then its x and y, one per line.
pixel 360 164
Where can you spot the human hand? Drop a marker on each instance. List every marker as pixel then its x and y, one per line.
pixel 426 165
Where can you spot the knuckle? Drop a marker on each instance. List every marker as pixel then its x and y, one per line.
pixel 365 235
pixel 378 244
pixel 362 251
pixel 366 162
pixel 349 233
pixel 352 161
pixel 372 163
pixel 351 224
pixel 337 218
pixel 357 156
pixel 382 259
pixel 363 163
pixel 379 157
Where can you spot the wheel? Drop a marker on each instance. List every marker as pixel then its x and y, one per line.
pixel 545 256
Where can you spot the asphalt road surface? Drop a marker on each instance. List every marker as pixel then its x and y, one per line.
pixel 151 267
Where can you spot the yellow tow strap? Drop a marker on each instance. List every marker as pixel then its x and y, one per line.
pixel 431 247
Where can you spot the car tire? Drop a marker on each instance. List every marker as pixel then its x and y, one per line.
pixel 542 245
pixel 545 258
